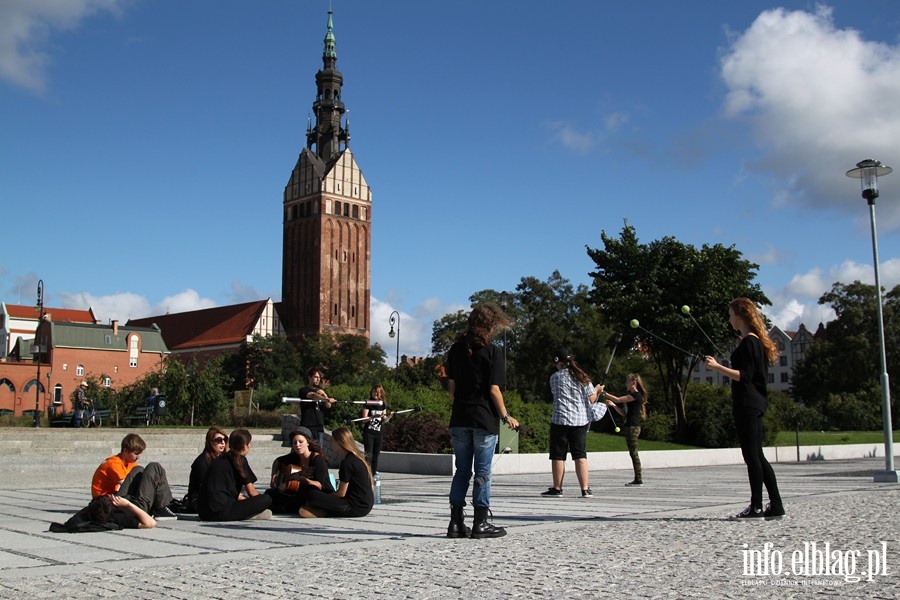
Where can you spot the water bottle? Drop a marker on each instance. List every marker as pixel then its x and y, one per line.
pixel 377 478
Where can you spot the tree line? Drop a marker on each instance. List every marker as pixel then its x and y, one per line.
pixel 836 386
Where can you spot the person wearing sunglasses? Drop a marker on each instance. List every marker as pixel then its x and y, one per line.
pixel 216 444
pixel 228 493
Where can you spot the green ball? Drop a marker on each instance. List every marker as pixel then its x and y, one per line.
pixel 635 324
pixel 618 430
pixel 686 309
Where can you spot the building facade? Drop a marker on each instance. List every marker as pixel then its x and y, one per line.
pixel 70 353
pixel 19 321
pixel 327 216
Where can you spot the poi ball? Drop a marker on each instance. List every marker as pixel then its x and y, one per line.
pixel 618 430
pixel 686 309
pixel 635 324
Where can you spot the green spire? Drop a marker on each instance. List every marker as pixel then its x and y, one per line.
pixel 329 39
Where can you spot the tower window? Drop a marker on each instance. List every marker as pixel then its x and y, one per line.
pixel 337 208
pixel 355 211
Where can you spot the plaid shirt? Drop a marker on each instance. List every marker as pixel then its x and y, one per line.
pixel 571 405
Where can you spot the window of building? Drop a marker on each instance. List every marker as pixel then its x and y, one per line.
pixel 770 378
pixel 355 211
pixel 79 371
pixel 782 360
pixel 57 394
pixel 107 382
pixel 133 351
pixel 784 378
pixel 346 210
pixel 337 208
pixel 108 339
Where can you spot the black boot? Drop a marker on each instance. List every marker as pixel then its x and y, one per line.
pixel 482 529
pixel 457 527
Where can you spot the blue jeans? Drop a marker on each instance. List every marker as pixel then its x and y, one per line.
pixel 473 449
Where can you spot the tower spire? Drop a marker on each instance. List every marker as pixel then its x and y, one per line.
pixel 328 134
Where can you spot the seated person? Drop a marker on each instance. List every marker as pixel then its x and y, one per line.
pixel 296 473
pixel 354 496
pixel 227 493
pixel 216 444
pixel 120 475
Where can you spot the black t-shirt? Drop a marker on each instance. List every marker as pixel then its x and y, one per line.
pixel 124 518
pixel 377 409
pixel 749 358
pixel 312 414
pixel 222 485
pixel 317 469
pixel 633 411
pixel 359 491
pixel 473 373
pixel 198 473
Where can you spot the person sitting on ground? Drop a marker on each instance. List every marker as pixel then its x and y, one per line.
pixel 227 493
pixel 147 487
pixel 216 444
pixel 354 496
pixel 297 472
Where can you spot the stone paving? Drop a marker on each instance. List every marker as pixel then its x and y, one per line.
pixel 667 539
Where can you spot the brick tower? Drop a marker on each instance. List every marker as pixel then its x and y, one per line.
pixel 326 255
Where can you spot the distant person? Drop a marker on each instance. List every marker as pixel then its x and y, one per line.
pixel 749 374
pixel 80 403
pixel 151 399
pixel 297 473
pixel 476 370
pixel 215 444
pixel 354 496
pixel 147 486
pixel 373 435
pixel 635 411
pixel 227 493
pixel 573 394
pixel 315 402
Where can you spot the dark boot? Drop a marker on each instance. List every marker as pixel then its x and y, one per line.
pixel 482 529
pixel 457 527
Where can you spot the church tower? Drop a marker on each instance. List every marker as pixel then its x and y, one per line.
pixel 326 254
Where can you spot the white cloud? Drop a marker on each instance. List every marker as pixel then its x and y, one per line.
pixel 25 30
pixel 819 99
pixel 566 135
pixel 121 307
pixel 182 302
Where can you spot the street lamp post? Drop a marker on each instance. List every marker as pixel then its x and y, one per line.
pixel 395 318
pixel 867 172
pixel 39 307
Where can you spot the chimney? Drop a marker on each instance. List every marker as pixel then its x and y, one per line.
pixel 115 324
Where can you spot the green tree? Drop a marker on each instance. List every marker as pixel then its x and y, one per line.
pixel 651 282
pixel 840 374
pixel 346 359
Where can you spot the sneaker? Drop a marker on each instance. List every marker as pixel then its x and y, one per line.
pixel 635 482
pixel 773 512
pixel 164 514
pixel 749 513
pixel 588 493
pixel 552 491
pixel 263 516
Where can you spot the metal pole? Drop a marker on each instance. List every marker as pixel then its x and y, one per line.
pixel 890 474
pixel 36 421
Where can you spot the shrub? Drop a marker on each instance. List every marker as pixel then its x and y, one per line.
pixel 658 427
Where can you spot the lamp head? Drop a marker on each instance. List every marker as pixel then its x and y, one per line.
pixel 868 171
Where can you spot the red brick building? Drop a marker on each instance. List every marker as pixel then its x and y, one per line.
pixel 70 353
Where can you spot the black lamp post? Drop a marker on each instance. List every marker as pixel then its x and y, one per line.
pixel 36 350
pixel 868 172
pixel 395 318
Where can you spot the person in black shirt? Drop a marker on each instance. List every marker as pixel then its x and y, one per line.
pixel 476 371
pixel 354 496
pixel 750 397
pixel 312 413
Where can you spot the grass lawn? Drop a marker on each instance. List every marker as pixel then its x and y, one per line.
pixel 826 438
pixel 614 442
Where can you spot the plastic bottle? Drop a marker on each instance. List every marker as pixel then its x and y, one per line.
pixel 377 478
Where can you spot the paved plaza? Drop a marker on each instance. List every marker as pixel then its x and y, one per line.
pixel 667 539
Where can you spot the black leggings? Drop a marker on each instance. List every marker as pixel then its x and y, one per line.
pixel 749 424
pixel 372 443
pixel 335 507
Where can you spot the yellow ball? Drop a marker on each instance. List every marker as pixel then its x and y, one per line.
pixel 618 430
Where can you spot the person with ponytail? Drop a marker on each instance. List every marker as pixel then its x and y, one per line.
pixel 749 373
pixel 573 394
pixel 635 411
pixel 227 493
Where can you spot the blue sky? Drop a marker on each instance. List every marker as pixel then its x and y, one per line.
pixel 146 144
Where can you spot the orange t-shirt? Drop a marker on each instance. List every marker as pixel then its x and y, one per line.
pixel 109 475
